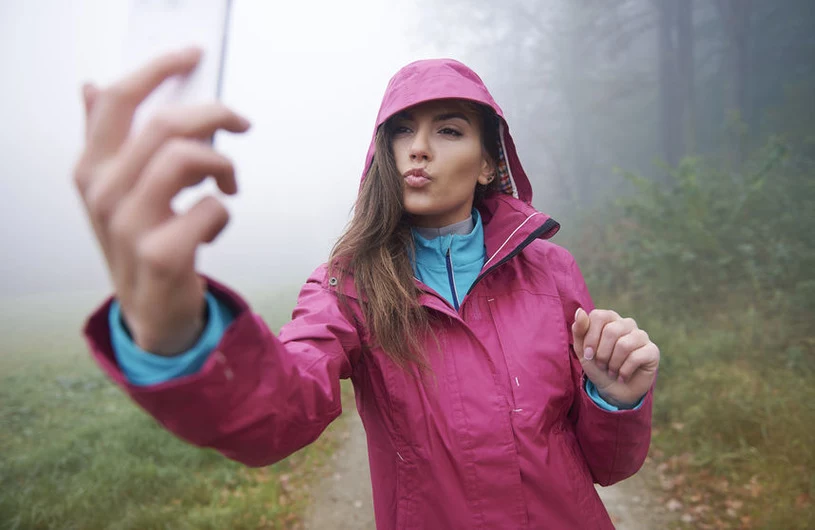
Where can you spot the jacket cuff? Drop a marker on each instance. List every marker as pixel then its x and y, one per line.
pixel 142 368
pixel 592 392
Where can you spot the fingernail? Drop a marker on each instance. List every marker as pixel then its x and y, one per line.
pixel 577 312
pixel 588 353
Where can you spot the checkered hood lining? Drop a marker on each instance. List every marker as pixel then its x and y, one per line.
pixel 506 184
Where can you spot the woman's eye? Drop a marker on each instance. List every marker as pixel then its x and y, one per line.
pixel 401 129
pixel 450 132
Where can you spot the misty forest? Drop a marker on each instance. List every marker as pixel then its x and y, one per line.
pixel 675 143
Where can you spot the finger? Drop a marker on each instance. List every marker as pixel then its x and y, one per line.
pixel 625 345
pixel 599 318
pixel 124 171
pixel 612 332
pixel 115 105
pixel 196 121
pixel 169 250
pixel 179 164
pixel 645 358
pixel 89 95
pixel 579 328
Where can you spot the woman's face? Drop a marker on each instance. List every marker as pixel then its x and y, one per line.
pixel 438 151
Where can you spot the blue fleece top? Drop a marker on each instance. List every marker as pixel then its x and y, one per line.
pixel 448 260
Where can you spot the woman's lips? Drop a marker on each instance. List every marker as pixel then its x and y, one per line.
pixel 417 178
pixel 416 181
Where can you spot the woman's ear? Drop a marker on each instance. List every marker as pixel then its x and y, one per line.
pixel 487 174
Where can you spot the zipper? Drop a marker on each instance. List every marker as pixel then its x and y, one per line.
pixel 549 225
pixel 451 278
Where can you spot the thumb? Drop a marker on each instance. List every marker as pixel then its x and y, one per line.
pixel 579 330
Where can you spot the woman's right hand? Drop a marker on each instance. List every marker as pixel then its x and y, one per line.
pixel 127 182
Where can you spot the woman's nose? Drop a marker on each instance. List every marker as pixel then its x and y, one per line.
pixel 419 149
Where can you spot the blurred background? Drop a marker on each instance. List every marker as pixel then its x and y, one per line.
pixel 673 139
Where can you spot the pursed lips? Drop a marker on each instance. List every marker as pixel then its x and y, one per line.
pixel 417 178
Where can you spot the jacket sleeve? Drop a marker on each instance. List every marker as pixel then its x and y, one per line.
pixel 144 368
pixel 614 443
pixel 258 398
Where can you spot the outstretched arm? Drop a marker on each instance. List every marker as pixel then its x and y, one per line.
pixel 258 397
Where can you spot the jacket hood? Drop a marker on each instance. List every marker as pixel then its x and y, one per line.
pixel 431 79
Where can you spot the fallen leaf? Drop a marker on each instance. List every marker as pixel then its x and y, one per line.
pixel 802 501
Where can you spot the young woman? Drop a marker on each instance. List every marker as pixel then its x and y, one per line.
pixel 493 394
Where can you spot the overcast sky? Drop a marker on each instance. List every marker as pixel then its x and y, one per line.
pixel 310 76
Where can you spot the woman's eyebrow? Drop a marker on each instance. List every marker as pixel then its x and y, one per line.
pixel 450 115
pixel 407 116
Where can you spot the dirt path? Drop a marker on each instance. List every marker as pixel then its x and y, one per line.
pixel 632 506
pixel 342 500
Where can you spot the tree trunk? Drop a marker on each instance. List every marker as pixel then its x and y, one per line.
pixel 685 43
pixel 573 92
pixel 669 93
pixel 735 15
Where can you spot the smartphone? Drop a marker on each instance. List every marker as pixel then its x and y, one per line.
pixel 158 26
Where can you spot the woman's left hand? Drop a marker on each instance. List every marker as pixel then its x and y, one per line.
pixel 617 356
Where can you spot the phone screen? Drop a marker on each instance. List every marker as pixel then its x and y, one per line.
pixel 159 26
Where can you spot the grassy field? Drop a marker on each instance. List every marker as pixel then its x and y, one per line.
pixel 75 453
pixel 733 423
pixel 734 419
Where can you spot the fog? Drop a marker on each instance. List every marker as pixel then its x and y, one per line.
pixel 592 93
pixel 309 75
pixel 673 139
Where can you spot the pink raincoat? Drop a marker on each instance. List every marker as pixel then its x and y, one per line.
pixel 502 435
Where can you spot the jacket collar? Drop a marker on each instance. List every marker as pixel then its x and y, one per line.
pixel 509 226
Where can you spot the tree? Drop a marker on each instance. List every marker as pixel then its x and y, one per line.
pixel 735 18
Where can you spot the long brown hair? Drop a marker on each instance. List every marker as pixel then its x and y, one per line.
pixel 377 248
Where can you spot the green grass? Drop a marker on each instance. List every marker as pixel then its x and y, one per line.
pixel 76 453
pixel 734 418
pixel 733 423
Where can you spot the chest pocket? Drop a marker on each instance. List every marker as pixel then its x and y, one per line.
pixel 534 343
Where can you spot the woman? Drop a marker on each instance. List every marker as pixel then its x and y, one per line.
pixel 493 394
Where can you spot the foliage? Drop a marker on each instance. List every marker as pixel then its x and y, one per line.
pixel 719 266
pixel 731 439
pixel 712 235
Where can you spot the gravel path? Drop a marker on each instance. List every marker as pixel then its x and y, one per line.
pixel 342 500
